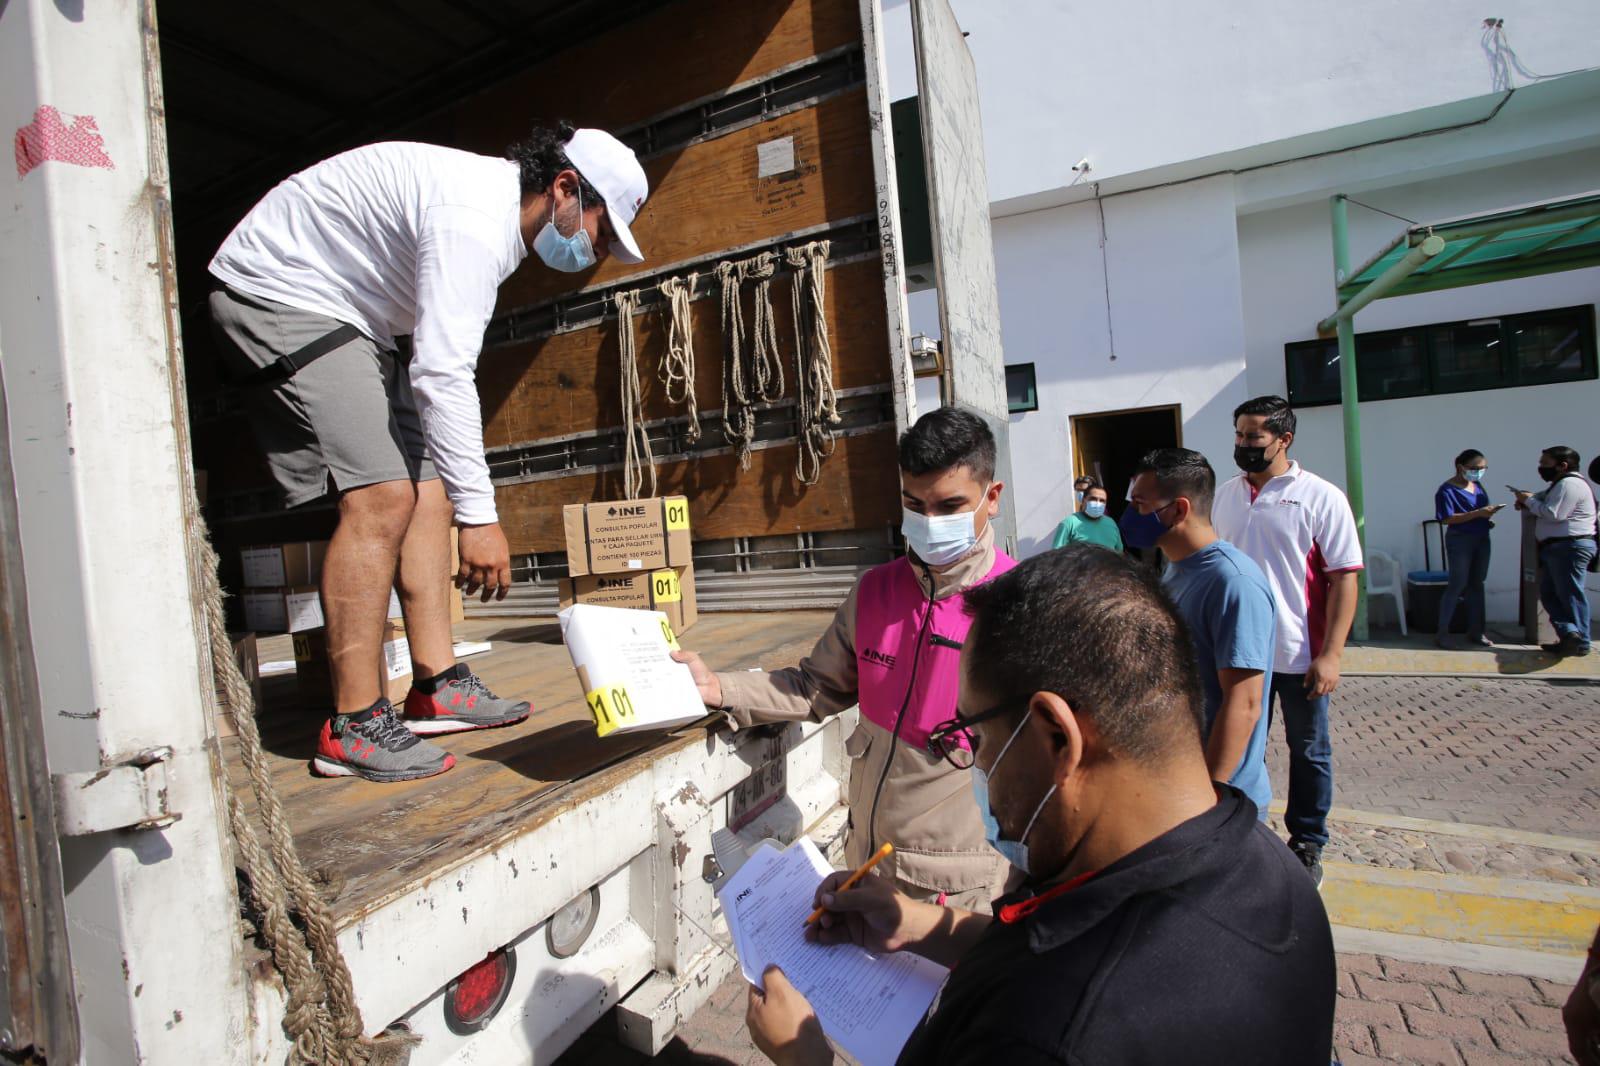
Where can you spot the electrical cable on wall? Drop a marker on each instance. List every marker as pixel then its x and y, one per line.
pixel 677 363
pixel 637 456
pixel 1503 59
pixel 1105 273
pixel 816 399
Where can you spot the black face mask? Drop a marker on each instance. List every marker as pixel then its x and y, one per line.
pixel 1251 460
pixel 1549 473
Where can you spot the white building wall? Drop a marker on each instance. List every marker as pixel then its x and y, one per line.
pixel 1209 276
pixel 1172 260
pixel 1141 86
pixel 1409 445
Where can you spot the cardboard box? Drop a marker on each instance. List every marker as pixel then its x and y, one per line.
pixel 291 610
pixel 669 590
pixel 622 536
pixel 275 566
pixel 458 610
pixel 314 670
pixel 248 657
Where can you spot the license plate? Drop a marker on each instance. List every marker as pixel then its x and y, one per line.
pixel 751 797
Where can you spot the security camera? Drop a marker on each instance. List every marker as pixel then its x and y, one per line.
pixel 1081 166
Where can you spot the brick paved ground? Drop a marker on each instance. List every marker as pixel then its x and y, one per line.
pixel 1389 1011
pixel 1394 1011
pixel 1519 754
pixel 1512 753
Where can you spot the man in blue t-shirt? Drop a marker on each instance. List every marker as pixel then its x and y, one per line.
pixel 1225 601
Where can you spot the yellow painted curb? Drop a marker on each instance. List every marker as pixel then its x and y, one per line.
pixel 1465 830
pixel 1490 911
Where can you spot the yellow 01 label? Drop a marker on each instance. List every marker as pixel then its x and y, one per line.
pixel 664 587
pixel 677 513
pixel 672 638
pixel 612 708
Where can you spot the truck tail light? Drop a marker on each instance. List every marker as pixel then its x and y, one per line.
pixel 473 999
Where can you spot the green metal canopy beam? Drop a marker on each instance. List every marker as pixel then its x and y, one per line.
pixel 1355 479
pixel 1519 242
pixel 1379 287
pixel 1513 243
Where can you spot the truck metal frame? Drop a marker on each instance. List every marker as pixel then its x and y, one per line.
pixel 109 749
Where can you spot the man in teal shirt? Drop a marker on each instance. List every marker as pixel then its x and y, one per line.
pixel 1090 524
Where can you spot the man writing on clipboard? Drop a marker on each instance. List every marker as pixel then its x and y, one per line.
pixel 894 648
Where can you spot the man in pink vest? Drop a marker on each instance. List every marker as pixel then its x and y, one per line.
pixel 894 648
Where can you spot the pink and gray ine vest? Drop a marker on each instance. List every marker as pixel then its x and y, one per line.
pixel 891 607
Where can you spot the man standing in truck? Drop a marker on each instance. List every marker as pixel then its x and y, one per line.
pixel 894 648
pixel 312 289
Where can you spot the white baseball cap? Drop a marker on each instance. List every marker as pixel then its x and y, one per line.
pixel 612 168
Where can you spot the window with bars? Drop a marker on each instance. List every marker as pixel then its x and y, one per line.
pixel 1533 348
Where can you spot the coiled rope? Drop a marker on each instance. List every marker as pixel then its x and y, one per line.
pixel 677 364
pixel 816 399
pixel 321 1018
pixel 637 456
pixel 751 374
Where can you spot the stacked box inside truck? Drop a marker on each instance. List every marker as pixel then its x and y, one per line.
pixel 631 553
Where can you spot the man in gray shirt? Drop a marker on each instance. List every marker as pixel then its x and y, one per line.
pixel 1565 529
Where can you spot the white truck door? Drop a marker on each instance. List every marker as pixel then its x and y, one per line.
pixel 98 450
pixel 38 1010
pixel 963 250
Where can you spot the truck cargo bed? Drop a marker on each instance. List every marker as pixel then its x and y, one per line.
pixel 373 840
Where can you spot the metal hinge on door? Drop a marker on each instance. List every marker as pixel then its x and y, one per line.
pixel 130 795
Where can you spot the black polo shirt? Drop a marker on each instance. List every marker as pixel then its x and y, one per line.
pixel 1207 945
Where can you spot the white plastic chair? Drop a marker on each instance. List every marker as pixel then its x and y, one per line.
pixel 1380 564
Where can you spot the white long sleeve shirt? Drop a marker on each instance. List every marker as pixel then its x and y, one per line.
pixel 1565 509
pixel 398 238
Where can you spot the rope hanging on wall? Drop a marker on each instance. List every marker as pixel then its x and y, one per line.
pixel 636 446
pixel 751 374
pixel 321 1018
pixel 816 399
pixel 677 365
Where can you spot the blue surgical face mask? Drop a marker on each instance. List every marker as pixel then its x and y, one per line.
pixel 1013 851
pixel 1078 495
pixel 1094 508
pixel 940 540
pixel 1142 530
pixel 1473 475
pixel 566 254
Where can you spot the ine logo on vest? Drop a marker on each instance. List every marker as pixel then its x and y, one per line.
pixel 873 655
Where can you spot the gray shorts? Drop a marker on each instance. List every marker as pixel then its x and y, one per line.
pixel 343 421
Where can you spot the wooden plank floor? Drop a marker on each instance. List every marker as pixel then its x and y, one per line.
pixel 376 839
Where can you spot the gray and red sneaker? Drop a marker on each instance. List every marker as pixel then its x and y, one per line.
pixel 374 745
pixel 459 701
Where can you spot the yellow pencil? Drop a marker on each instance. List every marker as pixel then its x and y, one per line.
pixel 850 882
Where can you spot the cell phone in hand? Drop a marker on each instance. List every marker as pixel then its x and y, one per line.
pixel 1513 488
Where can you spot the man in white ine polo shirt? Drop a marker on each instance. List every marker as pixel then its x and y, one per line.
pixel 1298 528
pixel 312 288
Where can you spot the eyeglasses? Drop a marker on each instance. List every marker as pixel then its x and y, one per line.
pixel 953 741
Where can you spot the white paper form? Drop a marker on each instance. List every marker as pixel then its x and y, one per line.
pixel 868 1004
pixel 624 662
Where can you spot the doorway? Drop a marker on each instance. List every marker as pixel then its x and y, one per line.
pixel 1108 445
